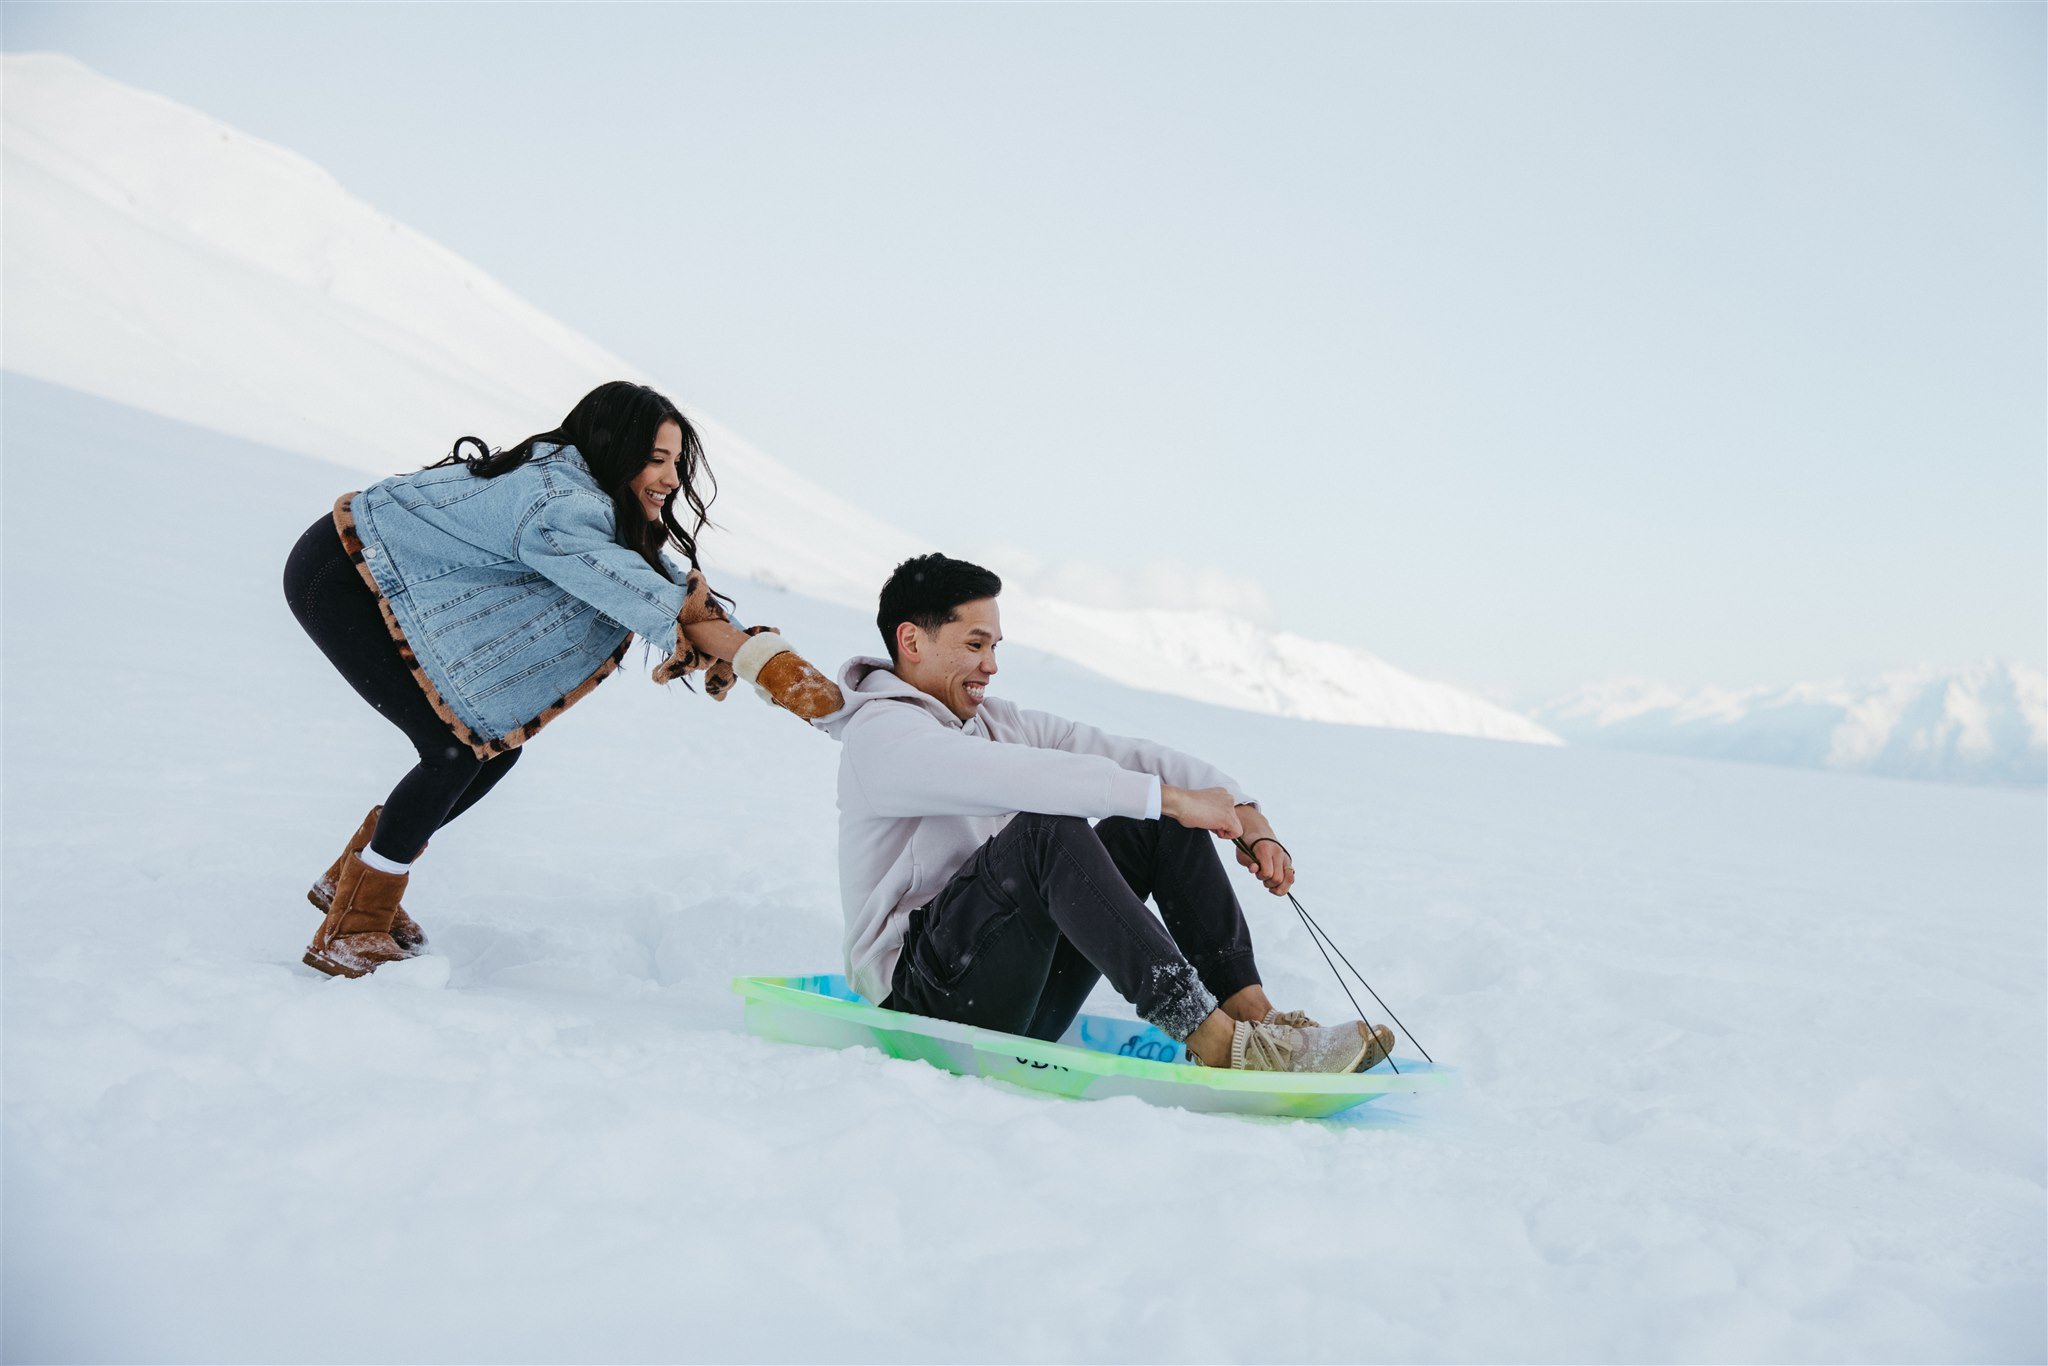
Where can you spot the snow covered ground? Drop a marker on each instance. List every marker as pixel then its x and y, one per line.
pixel 1752 1059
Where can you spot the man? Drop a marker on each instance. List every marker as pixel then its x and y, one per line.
pixel 974 887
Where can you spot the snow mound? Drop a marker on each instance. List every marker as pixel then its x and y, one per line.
pixel 162 259
pixel 1987 723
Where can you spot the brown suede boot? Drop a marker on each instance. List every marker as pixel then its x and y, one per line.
pixel 405 931
pixel 355 938
pixel 786 678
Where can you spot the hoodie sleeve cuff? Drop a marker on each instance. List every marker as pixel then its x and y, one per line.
pixel 1131 794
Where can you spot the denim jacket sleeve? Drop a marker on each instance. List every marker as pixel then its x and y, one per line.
pixel 569 538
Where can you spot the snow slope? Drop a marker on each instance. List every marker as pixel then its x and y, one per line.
pixel 1986 723
pixel 159 258
pixel 1752 1060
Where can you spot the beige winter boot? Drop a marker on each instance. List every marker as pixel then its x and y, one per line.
pixel 355 938
pixel 1259 1047
pixel 405 931
pixel 786 678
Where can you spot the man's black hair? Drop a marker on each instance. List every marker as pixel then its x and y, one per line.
pixel 924 591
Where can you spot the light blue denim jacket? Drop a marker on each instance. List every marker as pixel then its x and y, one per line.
pixel 512 597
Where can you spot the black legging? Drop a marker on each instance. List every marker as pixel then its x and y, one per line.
pixel 340 613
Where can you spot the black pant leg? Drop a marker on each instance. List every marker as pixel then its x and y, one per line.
pixel 1184 874
pixel 487 778
pixel 341 615
pixel 1067 983
pixel 982 952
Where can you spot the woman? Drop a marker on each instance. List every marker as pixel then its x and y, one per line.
pixel 473 602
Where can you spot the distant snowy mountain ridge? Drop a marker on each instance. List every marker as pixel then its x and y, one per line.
pixel 1222 659
pixel 158 258
pixel 1987 723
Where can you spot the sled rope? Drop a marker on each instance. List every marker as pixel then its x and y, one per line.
pixel 1322 937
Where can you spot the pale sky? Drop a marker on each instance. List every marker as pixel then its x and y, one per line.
pixel 1520 345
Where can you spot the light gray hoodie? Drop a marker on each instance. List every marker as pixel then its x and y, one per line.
pixel 920 791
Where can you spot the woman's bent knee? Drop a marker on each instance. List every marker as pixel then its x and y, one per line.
pixel 450 757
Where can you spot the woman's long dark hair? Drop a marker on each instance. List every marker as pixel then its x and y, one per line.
pixel 614 427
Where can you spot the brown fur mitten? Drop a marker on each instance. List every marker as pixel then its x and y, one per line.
pixel 786 678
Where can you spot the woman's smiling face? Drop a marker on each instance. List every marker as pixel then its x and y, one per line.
pixel 663 475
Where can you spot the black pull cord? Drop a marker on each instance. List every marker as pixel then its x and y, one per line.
pixel 1319 935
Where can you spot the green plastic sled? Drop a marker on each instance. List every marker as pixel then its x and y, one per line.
pixel 1097 1057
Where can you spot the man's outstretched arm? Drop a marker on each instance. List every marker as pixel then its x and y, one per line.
pixel 1169 765
pixel 906 764
pixel 1189 776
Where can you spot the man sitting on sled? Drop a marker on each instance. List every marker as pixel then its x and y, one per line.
pixel 975 889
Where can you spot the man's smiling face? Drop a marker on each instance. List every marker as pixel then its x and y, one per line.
pixel 956 662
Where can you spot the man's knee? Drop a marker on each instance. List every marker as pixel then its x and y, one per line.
pixel 1062 829
pixel 1133 829
pixel 1046 840
pixel 1132 837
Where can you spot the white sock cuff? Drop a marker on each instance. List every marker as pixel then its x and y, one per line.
pixel 383 865
pixel 757 651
